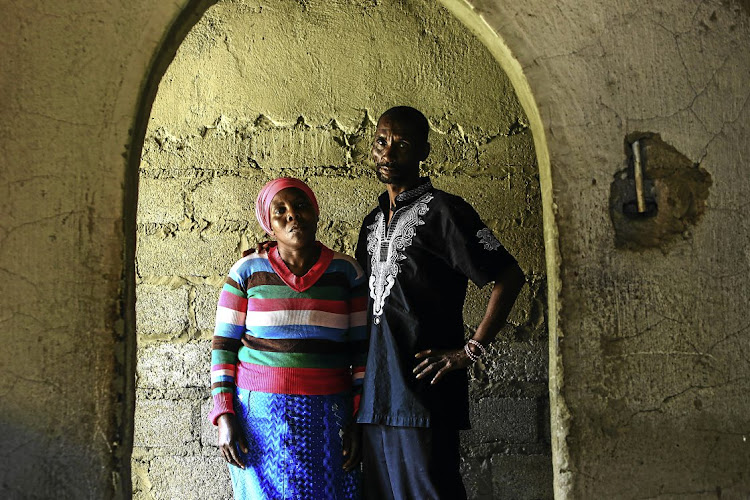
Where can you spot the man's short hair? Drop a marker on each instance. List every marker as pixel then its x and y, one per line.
pixel 420 127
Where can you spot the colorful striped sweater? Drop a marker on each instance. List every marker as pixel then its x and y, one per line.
pixel 280 333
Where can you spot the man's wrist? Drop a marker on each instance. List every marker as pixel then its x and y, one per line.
pixel 474 350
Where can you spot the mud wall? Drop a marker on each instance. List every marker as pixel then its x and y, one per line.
pixel 649 366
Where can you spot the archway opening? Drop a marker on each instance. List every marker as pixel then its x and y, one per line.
pixel 260 90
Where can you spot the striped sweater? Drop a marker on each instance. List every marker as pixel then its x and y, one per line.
pixel 280 333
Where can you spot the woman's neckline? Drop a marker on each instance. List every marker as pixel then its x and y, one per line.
pixel 300 283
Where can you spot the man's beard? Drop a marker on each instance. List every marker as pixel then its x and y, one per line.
pixel 392 179
pixel 384 179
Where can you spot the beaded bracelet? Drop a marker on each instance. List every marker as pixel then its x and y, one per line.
pixel 474 357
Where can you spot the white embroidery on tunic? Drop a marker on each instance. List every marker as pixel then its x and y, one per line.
pixel 488 239
pixel 387 250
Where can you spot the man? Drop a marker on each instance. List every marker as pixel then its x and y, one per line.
pixel 419 247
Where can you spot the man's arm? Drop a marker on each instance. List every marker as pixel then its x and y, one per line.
pixel 438 362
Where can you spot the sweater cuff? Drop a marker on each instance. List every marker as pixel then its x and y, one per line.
pixel 223 403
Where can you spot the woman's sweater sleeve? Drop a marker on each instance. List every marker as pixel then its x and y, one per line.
pixel 227 339
pixel 358 335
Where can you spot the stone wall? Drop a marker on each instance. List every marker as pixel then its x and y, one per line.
pixel 260 90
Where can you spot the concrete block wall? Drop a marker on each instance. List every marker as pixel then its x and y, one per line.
pixel 204 161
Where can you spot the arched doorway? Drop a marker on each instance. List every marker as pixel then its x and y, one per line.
pixel 559 420
pixel 204 158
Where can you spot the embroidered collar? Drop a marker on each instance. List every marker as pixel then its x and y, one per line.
pixel 301 283
pixel 406 197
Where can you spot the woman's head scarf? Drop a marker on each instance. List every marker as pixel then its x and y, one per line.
pixel 263 202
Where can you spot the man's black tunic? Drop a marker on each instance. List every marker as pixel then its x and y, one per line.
pixel 418 267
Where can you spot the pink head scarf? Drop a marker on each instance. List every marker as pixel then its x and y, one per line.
pixel 263 202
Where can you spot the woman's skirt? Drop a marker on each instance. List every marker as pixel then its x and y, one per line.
pixel 295 447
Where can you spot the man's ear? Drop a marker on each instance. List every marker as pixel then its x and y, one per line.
pixel 425 151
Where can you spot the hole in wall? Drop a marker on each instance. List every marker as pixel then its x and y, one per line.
pixel 259 90
pixel 673 192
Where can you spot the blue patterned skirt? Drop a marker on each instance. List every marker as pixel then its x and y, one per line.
pixel 294 447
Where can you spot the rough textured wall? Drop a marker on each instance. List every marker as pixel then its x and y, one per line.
pixel 665 417
pixel 652 339
pixel 263 89
pixel 70 76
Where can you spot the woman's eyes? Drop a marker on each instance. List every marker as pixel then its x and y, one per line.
pixel 299 206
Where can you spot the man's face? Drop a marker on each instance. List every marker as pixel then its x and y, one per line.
pixel 396 152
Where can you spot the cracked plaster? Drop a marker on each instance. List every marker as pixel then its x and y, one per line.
pixel 69 134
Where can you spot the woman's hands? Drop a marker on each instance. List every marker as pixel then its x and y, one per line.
pixel 231 440
pixel 440 362
pixel 352 446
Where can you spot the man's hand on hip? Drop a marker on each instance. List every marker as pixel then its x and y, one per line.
pixel 440 362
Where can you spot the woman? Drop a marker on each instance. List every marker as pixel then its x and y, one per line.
pixel 288 356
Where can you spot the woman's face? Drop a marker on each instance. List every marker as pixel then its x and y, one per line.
pixel 293 218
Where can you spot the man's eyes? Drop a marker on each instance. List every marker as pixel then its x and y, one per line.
pixel 399 144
